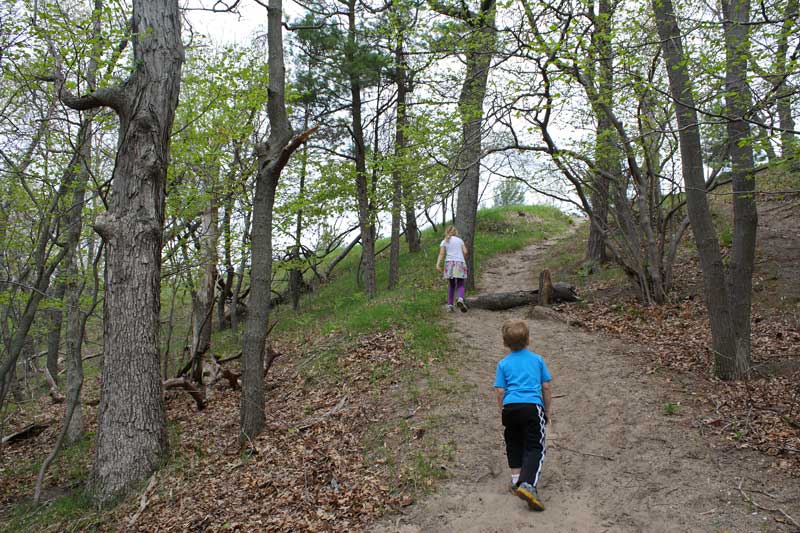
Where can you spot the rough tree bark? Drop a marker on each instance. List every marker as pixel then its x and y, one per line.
pixel 131 435
pixel 272 157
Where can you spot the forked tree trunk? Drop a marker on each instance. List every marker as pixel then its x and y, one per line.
pixel 272 157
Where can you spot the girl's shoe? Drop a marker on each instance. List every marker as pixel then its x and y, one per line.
pixel 462 305
pixel 527 492
pixel 450 308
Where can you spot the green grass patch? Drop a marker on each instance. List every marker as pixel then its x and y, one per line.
pixel 72 511
pixel 340 308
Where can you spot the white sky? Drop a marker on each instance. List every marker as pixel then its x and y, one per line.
pixel 223 28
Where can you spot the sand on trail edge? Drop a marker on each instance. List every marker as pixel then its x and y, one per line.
pixel 615 461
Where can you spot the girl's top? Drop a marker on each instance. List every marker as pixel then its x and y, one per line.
pixel 453 247
pixel 521 374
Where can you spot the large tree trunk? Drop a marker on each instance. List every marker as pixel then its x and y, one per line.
pixel 745 218
pixel 716 293
pixel 131 436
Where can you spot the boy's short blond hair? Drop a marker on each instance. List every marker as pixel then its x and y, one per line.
pixel 516 335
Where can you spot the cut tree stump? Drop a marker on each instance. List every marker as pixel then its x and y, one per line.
pixel 545 288
pixel 497 301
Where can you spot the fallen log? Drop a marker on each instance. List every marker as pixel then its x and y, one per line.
pixel 28 432
pixel 497 301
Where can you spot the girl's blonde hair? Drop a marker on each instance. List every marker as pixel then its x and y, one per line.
pixel 449 232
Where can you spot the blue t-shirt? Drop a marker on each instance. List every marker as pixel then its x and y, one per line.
pixel 521 374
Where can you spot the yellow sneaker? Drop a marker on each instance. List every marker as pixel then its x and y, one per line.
pixel 527 492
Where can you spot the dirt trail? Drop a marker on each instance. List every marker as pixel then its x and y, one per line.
pixel 615 462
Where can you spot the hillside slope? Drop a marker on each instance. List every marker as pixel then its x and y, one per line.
pixel 628 449
pixel 348 407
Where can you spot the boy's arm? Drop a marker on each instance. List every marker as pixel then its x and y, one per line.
pixel 499 392
pixel 547 396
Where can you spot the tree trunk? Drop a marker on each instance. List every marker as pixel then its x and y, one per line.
pixel 226 291
pixel 470 105
pixel 606 153
pixel 362 191
pixel 545 288
pixel 716 293
pixel 131 436
pixel 203 300
pixel 784 90
pixel 272 157
pixel 412 230
pixel 76 318
pixel 399 164
pixel 745 218
pixel 237 290
pixel 295 273
pixel 54 335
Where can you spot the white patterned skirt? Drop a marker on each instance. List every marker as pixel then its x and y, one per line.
pixel 455 269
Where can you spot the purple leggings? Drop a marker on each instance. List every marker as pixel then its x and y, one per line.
pixel 455 283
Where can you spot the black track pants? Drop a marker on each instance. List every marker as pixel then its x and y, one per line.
pixel 525 439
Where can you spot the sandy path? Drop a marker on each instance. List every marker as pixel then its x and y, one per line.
pixel 615 461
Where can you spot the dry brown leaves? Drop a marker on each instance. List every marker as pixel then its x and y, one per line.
pixel 763 412
pixel 307 472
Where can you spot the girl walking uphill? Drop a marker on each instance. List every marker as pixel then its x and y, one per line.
pixel 453 251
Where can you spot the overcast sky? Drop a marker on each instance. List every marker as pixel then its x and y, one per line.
pixel 223 28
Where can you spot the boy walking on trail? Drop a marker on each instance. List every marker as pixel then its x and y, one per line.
pixel 522 385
